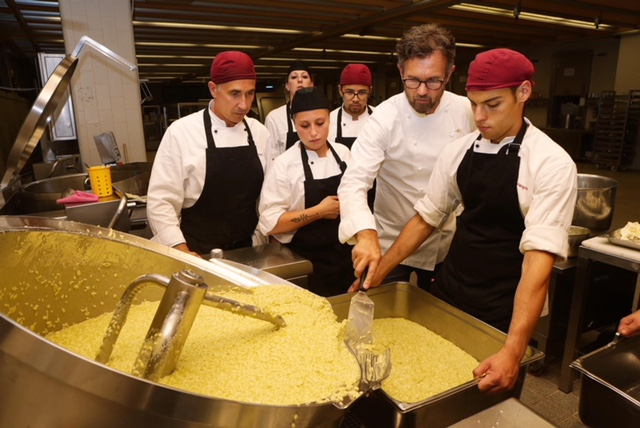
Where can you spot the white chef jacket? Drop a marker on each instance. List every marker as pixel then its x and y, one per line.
pixel 283 187
pixel 398 147
pixel 547 188
pixel 350 128
pixel 178 173
pixel 276 123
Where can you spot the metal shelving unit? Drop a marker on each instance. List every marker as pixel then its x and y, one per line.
pixel 617 126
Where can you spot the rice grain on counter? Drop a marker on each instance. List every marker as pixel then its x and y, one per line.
pixel 240 358
pixel 423 363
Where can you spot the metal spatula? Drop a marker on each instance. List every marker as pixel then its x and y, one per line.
pixel 360 321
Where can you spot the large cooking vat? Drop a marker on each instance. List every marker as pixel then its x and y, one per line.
pixel 595 203
pixel 472 335
pixel 56 272
pixel 610 391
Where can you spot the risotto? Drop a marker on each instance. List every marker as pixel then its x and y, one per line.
pixel 239 358
pixel 423 363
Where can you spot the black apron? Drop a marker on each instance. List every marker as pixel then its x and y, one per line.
pixel 347 141
pixel 318 242
pixel 292 134
pixel 225 215
pixel 483 267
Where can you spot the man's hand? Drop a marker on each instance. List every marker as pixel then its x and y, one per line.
pixel 184 248
pixel 630 325
pixel 366 253
pixel 498 373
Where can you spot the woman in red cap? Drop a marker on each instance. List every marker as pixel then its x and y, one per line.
pixel 518 190
pixel 299 203
pixel 278 121
pixel 208 172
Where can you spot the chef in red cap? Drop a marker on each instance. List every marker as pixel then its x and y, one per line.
pixel 517 188
pixel 208 171
pixel 278 121
pixel 349 119
pixel 299 204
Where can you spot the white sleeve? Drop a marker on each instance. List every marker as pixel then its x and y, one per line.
pixel 276 198
pixel 442 196
pixel 367 154
pixel 165 195
pixel 551 211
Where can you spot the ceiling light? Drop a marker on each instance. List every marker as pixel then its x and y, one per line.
pixel 548 19
pixel 183 25
pixel 198 45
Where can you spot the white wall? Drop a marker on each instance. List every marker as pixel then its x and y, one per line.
pixel 106 95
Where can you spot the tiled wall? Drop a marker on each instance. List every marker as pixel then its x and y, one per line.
pixel 106 94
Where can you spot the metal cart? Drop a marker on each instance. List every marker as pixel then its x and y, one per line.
pixel 617 127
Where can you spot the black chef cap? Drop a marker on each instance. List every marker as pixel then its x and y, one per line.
pixel 298 65
pixel 306 99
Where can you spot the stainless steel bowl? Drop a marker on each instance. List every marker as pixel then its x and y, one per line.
pixel 56 273
pixel 595 203
pixel 577 234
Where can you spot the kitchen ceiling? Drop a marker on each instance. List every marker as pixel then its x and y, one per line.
pixel 176 40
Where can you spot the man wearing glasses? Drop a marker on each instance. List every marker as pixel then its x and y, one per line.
pixel 398 148
pixel 348 120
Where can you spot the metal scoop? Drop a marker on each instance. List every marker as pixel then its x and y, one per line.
pixel 374 367
pixel 360 321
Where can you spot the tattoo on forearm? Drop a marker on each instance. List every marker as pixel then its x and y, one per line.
pixel 300 218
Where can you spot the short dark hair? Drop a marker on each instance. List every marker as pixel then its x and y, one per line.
pixel 423 40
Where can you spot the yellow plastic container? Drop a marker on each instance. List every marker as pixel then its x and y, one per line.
pixel 100 178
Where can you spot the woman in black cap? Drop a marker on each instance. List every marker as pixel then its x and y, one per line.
pixel 278 122
pixel 299 204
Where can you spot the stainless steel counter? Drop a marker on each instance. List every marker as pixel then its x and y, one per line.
pixel 275 259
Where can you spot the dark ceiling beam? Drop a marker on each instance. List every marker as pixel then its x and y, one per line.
pixel 23 24
pixel 350 26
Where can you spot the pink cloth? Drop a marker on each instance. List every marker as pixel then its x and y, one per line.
pixel 78 197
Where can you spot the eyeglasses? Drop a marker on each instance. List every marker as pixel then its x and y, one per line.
pixel 432 84
pixel 350 93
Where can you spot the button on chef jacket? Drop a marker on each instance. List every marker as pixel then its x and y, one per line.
pixel 178 174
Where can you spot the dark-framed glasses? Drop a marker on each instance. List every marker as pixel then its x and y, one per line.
pixel 432 84
pixel 350 93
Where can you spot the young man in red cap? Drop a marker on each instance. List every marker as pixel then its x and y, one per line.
pixel 278 122
pixel 518 190
pixel 355 89
pixel 208 171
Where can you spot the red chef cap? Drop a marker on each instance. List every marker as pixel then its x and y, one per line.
pixel 498 68
pixel 232 65
pixel 356 74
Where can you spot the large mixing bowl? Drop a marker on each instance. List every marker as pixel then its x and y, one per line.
pixel 58 272
pixel 595 203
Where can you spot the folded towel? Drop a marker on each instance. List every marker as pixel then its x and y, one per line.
pixel 78 197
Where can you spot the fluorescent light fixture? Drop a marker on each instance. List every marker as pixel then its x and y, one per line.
pixel 214 27
pixel 316 50
pixel 395 39
pixel 198 45
pixel 548 19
